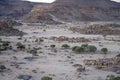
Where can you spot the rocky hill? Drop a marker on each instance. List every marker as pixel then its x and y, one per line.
pixel 6 28
pixel 15 8
pixel 75 10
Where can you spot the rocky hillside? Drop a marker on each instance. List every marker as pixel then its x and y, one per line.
pixel 75 10
pixel 15 8
pixel 6 28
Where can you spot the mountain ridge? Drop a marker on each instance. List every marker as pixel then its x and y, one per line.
pixel 77 10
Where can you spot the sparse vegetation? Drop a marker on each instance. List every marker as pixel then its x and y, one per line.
pixel 33 52
pixel 5 45
pixel 20 46
pixel 104 51
pixel 112 77
pixel 84 48
pixel 2 67
pixel 65 46
pixel 46 78
pixel 52 46
pixel 39 40
pixel 78 49
pixel 92 48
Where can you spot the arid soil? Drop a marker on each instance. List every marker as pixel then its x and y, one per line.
pixel 58 63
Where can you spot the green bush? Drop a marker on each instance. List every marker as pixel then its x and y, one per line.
pixel 112 77
pixel 92 48
pixel 5 43
pixel 20 46
pixel 33 52
pixel 65 46
pixel 104 50
pixel 39 40
pixel 52 46
pixel 74 48
pixel 46 78
pixel 84 45
pixel 2 67
pixel 78 49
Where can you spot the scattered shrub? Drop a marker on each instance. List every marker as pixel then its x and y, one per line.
pixel 20 46
pixel 39 40
pixel 74 48
pixel 112 77
pixel 2 67
pixel 52 46
pixel 104 50
pixel 65 46
pixel 92 48
pixel 33 52
pixel 78 49
pixel 46 78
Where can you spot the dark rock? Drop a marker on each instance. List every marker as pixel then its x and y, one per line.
pixel 14 63
pixel 24 77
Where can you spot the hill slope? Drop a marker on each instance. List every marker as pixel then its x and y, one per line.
pixel 75 10
pixel 15 8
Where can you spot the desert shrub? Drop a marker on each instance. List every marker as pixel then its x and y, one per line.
pixel 2 67
pixel 74 48
pixel 92 48
pixel 39 40
pixel 46 78
pixel 20 46
pixel 5 43
pixel 104 50
pixel 65 46
pixel 78 49
pixel 85 47
pixel 33 52
pixel 52 46
pixel 112 77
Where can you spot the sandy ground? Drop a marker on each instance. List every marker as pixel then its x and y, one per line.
pixel 55 64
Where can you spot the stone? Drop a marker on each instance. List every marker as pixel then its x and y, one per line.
pixel 24 77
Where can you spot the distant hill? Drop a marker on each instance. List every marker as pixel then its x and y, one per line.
pixel 15 8
pixel 75 10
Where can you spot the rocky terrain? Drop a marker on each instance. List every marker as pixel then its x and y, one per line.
pixel 55 52
pixel 77 10
pixel 63 40
pixel 15 8
pixel 61 11
pixel 6 28
pixel 103 29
